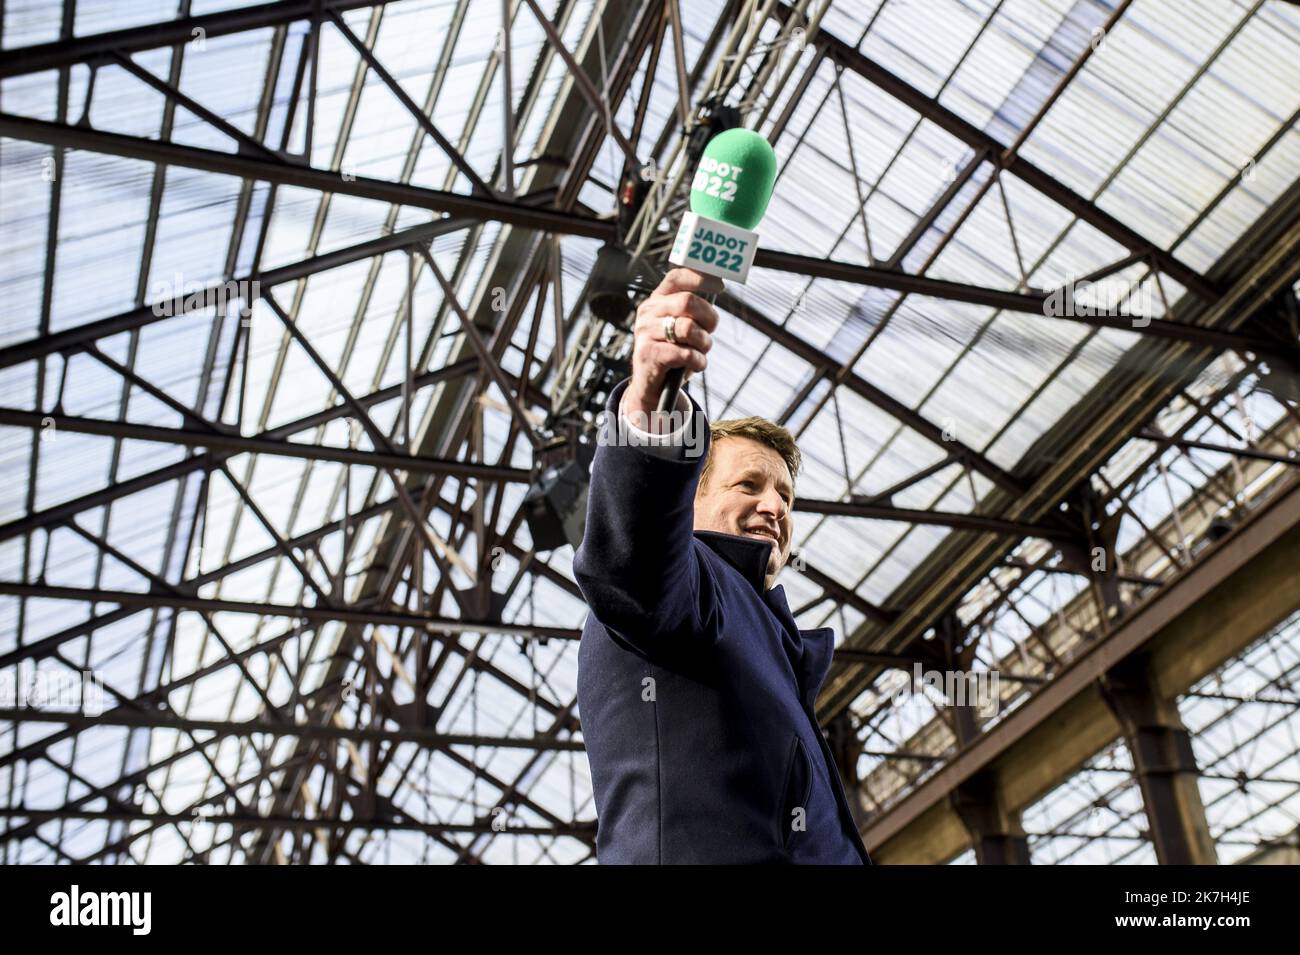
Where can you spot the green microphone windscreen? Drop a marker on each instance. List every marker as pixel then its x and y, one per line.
pixel 735 177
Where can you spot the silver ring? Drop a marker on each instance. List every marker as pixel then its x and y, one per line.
pixel 670 324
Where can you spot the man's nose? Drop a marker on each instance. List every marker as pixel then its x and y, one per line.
pixel 773 503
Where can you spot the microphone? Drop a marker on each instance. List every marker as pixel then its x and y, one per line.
pixel 729 194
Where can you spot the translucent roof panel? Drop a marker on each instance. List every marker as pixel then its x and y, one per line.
pixel 256 467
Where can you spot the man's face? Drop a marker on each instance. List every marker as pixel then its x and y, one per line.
pixel 749 493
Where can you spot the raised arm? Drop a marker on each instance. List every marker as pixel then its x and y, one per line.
pixel 636 565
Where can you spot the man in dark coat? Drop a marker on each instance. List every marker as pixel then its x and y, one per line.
pixel 695 687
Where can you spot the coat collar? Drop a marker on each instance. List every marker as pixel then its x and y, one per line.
pixel 809 651
pixel 747 555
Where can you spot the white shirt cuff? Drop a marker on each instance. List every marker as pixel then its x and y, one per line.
pixel 668 444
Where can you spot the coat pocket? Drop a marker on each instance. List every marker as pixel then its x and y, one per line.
pixel 798 787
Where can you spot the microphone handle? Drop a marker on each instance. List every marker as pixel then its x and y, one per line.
pixel 673 380
pixel 672 385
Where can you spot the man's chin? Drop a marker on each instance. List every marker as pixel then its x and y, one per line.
pixel 776 561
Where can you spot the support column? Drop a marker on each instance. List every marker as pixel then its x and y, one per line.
pixel 994 829
pixel 846 749
pixel 1163 764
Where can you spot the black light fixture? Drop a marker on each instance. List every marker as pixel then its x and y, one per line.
pixel 555 506
pixel 632 190
pixel 715 117
pixel 610 299
pixel 612 281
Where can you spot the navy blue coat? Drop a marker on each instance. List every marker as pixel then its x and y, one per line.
pixel 695 687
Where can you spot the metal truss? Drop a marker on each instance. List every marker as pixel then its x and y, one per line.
pixel 387 632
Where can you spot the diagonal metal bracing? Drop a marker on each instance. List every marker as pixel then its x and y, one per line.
pixel 66 52
pixel 268 843
pixel 377 437
pixel 169 89
pixel 161 585
pixel 288 174
pixel 1014 524
pixel 849 57
pixel 59 512
pixel 864 389
pixel 189 414
pixel 839 592
pixel 486 360
pixel 585 155
pixel 595 100
pixel 564 721
pixel 79 335
pixel 417 114
pixel 1253 288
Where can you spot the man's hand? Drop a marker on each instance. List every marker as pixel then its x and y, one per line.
pixel 653 355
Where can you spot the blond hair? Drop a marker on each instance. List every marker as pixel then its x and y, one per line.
pixel 757 429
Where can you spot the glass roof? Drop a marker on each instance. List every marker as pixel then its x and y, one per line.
pixel 937 404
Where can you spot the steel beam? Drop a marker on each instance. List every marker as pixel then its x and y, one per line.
pixel 478 208
pixel 359 616
pixel 838 591
pixel 61 512
pixel 864 389
pixel 1028 303
pixel 1258 266
pixel 1252 453
pixel 910 515
pixel 1240 589
pixel 158 719
pixel 974 137
pixel 239 444
pixel 78 335
pixel 47 56
pixel 577 830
